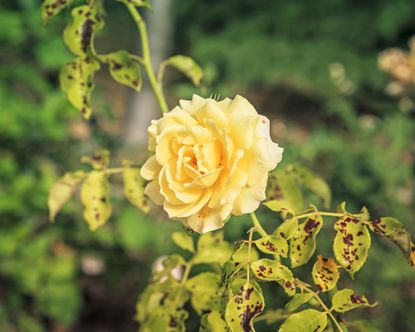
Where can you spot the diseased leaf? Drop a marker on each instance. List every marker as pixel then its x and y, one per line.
pixel 184 241
pixel 288 228
pixel 303 243
pixel 52 7
pixel 298 300
pixel 325 273
pixel 243 308
pixel 203 288
pixel 273 245
pixel 345 300
pixel 309 320
pixel 86 20
pixel 240 255
pixel 168 319
pixel 95 198
pixel 124 68
pixel 61 191
pixel 351 244
pixel 184 64
pixel 134 187
pixel 280 206
pixel 396 232
pixel 211 248
pixel 76 80
pixel 213 322
pixel 98 160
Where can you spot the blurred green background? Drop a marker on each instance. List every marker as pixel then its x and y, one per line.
pixel 311 66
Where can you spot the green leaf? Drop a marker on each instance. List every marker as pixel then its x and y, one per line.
pixel 184 241
pixel 213 322
pixel 280 206
pixel 309 320
pixel 298 300
pixel 351 244
pixel 288 228
pixel 99 160
pixel 134 187
pixel 184 64
pixel 325 273
pixel 272 244
pixel 138 3
pixel 203 288
pixel 61 192
pixel 95 198
pixel 166 320
pixel 124 68
pixel 243 308
pixel 396 232
pixel 240 255
pixel 211 248
pixel 76 80
pixel 303 243
pixel 52 7
pixel 345 300
pixel 86 20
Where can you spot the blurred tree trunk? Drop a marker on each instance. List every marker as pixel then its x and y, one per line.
pixel 143 106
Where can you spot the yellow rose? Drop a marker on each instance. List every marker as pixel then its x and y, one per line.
pixel 211 160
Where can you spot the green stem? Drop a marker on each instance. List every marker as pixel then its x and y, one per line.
pixel 184 279
pixel 146 57
pixel 116 170
pixel 303 286
pixel 257 225
pixel 249 256
pixel 321 213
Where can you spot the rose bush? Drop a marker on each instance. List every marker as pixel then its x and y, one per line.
pixel 211 160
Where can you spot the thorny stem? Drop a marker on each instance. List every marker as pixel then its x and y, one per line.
pixel 146 58
pixel 257 225
pixel 303 286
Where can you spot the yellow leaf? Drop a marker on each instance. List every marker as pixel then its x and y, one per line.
pixel 134 187
pixel 325 273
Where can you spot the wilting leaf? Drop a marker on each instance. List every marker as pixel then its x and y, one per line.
pixel 241 253
pixel 76 80
pixel 52 7
pixel 95 198
pixel 98 160
pixel 203 288
pixel 309 320
pixel 303 243
pixel 86 20
pixel 273 245
pixel 213 322
pixel 351 244
pixel 395 231
pixel 298 300
pixel 184 241
pixel 280 206
pixel 62 190
pixel 184 64
pixel 124 68
pixel 288 228
pixel 325 273
pixel 138 3
pixel 211 248
pixel 345 300
pixel 243 308
pixel 134 187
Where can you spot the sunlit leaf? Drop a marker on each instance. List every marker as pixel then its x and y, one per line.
pixel 124 68
pixel 184 241
pixel 298 300
pixel 325 273
pixel 211 248
pixel 303 243
pixel 280 206
pixel 243 255
pixel 95 198
pixel 98 160
pixel 213 322
pixel 76 80
pixel 243 308
pixel 184 64
pixel 288 228
pixel 273 245
pixel 396 232
pixel 345 300
pixel 134 187
pixel 86 20
pixel 62 190
pixel 309 320
pixel 351 244
pixel 203 288
pixel 52 7
pixel 168 319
